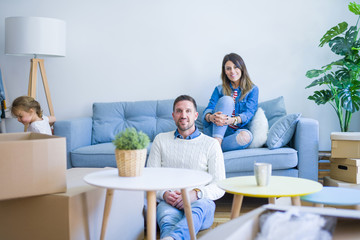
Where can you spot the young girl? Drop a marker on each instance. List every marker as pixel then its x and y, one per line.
pixel 28 112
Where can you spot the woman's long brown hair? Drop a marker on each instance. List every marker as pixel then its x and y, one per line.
pixel 245 82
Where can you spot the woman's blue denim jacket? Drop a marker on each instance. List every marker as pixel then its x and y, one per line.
pixel 246 108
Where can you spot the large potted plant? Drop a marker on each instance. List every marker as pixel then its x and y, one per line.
pixel 130 152
pixel 340 78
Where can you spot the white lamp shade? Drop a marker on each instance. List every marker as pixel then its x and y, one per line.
pixel 35 36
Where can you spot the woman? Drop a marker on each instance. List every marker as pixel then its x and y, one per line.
pixel 232 106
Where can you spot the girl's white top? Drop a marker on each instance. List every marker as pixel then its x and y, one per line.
pixel 41 126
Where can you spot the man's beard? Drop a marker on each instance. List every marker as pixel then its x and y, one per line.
pixel 184 128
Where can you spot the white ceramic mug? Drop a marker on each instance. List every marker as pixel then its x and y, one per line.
pixel 262 173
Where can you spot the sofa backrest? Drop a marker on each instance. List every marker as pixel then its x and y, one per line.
pixel 151 117
pixel 274 109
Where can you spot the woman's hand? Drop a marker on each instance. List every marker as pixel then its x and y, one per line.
pixel 220 119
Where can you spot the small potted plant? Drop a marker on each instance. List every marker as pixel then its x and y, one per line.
pixel 130 152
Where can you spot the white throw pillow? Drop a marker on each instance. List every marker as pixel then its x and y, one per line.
pixel 259 127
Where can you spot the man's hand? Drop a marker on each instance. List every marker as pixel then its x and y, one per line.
pixel 171 196
pixel 174 198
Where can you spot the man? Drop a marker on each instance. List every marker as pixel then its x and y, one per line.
pixel 188 148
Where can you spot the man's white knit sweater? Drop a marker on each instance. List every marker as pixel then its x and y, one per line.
pixel 201 153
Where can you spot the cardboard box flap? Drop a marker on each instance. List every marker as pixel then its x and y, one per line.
pixel 346 161
pixel 24 136
pixel 31 164
pixel 349 136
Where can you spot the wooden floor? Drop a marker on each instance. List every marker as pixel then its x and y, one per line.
pixel 223 209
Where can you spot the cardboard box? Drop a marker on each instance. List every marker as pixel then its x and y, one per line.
pixel 31 164
pixel 246 227
pixel 345 169
pixel 74 215
pixel 345 144
pixel 337 183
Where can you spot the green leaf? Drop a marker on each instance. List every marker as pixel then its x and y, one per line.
pixel 349 96
pixel 350 100
pixel 352 66
pixel 343 45
pixel 354 8
pixel 320 81
pixel 339 62
pixel 321 97
pixel 333 32
pixel 314 73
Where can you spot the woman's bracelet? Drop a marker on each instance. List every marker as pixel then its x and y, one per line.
pixel 235 121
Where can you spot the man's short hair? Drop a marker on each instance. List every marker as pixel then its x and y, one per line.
pixel 184 98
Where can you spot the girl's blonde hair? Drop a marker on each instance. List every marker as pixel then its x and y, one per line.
pixel 245 82
pixel 25 103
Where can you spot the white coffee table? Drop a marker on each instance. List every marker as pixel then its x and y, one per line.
pixel 151 180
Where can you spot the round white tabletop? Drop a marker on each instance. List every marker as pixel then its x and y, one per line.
pixel 152 179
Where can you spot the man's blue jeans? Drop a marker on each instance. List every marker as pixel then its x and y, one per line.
pixel 226 105
pixel 172 221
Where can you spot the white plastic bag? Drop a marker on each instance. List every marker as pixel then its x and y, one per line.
pixel 291 225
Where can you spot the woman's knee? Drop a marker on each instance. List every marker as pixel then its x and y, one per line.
pixel 225 104
pixel 244 137
pixel 226 100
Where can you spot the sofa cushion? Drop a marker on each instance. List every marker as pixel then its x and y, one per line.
pixel 89 155
pixel 151 117
pixel 243 160
pixel 292 172
pixel 259 127
pixel 282 131
pixel 99 155
pixel 274 109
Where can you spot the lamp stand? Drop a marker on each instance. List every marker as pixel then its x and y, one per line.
pixel 32 82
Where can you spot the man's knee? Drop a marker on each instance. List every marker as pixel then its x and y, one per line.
pixel 167 213
pixel 203 207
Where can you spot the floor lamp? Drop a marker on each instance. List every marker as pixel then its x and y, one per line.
pixel 36 36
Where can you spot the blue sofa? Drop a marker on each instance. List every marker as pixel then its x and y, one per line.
pixel 88 139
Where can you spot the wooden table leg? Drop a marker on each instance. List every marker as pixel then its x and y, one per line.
pixel 272 200
pixel 188 213
pixel 236 206
pixel 108 201
pixel 295 201
pixel 318 205
pixel 151 215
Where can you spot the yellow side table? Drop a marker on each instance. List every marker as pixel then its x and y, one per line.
pixel 279 186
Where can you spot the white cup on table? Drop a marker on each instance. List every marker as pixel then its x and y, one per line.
pixel 262 173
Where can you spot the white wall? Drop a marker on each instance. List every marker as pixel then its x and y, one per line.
pixel 159 49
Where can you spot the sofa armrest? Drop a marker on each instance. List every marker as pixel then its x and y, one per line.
pixel 77 133
pixel 306 142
